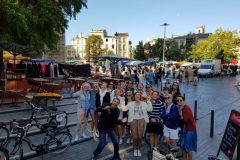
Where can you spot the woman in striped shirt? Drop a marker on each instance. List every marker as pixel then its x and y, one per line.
pixel 155 125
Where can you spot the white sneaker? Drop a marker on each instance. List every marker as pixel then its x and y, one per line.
pixel 135 153
pixel 128 141
pixel 120 141
pixel 139 153
pixel 76 138
pixel 97 134
pixel 84 135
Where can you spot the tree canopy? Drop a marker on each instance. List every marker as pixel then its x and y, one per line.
pixel 93 46
pixel 36 24
pixel 220 45
pixel 139 53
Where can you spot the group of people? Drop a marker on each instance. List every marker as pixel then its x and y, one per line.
pixel 129 108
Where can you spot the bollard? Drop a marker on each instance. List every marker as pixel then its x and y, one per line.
pixel 195 110
pixel 212 124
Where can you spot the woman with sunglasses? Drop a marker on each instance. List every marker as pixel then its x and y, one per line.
pixel 137 117
pixel 170 117
pixel 128 99
pixel 83 109
pixel 188 138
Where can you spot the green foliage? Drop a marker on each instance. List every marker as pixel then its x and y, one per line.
pixel 157 48
pixel 36 24
pixel 109 52
pixel 138 53
pixel 220 45
pixel 93 46
pixel 173 52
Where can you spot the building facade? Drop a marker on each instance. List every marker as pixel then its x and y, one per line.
pixel 119 44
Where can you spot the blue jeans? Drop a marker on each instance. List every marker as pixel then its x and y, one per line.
pixel 102 142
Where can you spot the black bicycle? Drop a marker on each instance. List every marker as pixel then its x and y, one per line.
pixel 4 154
pixel 4 134
pixel 56 140
pixel 58 117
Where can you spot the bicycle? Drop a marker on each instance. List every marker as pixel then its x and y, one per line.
pixel 55 141
pixel 4 154
pixel 58 117
pixel 4 134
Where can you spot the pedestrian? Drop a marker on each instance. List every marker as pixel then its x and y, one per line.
pixel 102 97
pixel 107 125
pixel 155 125
pixel 188 138
pixel 170 117
pixel 137 117
pixel 83 109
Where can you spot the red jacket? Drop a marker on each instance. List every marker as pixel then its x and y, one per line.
pixel 188 118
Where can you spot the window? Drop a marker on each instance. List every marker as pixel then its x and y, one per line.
pixel 113 46
pixel 106 40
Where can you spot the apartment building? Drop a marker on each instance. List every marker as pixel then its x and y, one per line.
pixel 118 43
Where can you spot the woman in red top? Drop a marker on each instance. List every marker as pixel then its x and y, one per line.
pixel 188 138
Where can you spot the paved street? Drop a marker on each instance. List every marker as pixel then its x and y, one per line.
pixel 220 95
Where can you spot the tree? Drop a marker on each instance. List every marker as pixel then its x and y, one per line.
pixel 221 44
pixel 139 52
pixel 109 52
pixel 173 52
pixel 93 46
pixel 36 24
pixel 157 48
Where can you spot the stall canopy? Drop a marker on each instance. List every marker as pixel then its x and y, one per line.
pixel 43 60
pixel 134 63
pixel 114 59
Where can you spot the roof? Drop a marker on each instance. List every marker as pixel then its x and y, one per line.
pixel 112 58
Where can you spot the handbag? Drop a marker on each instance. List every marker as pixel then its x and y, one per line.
pixel 156 155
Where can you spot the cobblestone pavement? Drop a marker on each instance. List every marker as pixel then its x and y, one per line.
pixel 220 95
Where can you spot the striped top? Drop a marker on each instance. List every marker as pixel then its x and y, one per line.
pixel 157 111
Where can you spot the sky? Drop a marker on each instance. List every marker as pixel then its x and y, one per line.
pixel 142 19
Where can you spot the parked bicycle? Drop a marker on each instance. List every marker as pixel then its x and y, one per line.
pixel 58 117
pixel 56 139
pixel 4 134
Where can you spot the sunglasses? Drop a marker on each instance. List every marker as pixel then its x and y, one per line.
pixel 167 98
pixel 179 100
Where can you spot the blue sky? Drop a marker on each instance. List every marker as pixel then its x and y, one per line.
pixel 142 18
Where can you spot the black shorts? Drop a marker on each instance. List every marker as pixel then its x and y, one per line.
pixel 156 128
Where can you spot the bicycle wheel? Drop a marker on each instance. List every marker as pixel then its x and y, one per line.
pixel 4 154
pixel 14 148
pixel 4 135
pixel 59 143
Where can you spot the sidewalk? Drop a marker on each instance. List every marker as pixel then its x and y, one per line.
pixel 220 95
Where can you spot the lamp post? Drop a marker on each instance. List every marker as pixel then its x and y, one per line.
pixel 164 43
pixel 116 36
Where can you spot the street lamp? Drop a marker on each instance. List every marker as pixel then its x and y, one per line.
pixel 164 43
pixel 116 35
